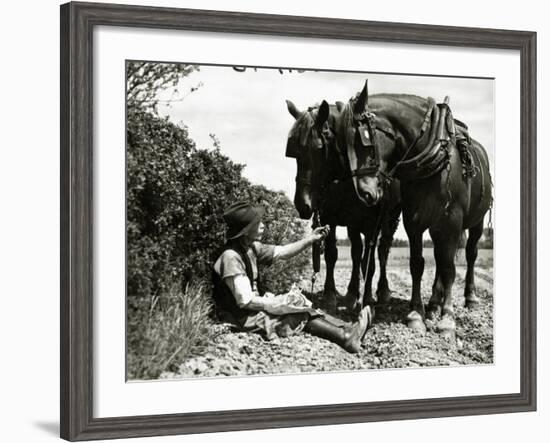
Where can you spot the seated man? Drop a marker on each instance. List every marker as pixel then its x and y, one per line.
pixel 235 285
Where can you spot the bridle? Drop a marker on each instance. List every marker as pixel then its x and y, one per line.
pixel 362 125
pixel 365 126
pixel 308 177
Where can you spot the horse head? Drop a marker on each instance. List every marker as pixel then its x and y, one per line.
pixel 307 142
pixel 367 149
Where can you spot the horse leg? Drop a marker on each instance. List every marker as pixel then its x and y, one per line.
pixel 471 254
pixel 352 295
pixel 389 227
pixel 415 318
pixel 383 289
pixel 331 255
pixel 434 305
pixel 445 246
pixel 368 298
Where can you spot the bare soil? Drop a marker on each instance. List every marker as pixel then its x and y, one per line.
pixel 389 343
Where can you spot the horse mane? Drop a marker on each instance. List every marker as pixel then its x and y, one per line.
pixel 393 106
pixel 302 123
pixel 408 100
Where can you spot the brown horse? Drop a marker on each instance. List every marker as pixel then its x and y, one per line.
pixel 323 183
pixel 445 186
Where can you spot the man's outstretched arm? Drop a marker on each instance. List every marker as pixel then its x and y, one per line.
pixel 284 252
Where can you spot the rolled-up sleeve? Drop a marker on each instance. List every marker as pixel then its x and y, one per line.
pixel 264 253
pixel 230 264
pixel 240 288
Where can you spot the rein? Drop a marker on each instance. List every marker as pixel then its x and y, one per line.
pixel 425 123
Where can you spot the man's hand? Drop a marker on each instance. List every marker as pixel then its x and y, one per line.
pixel 320 233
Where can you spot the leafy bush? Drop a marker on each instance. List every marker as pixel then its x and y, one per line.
pixel 167 329
pixel 176 196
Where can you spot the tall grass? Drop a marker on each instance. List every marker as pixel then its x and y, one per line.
pixel 165 330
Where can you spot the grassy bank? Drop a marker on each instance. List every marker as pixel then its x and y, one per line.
pixel 165 330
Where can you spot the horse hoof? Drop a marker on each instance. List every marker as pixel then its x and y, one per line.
pixel 416 322
pixel 383 297
pixel 329 303
pixel 350 302
pixel 433 311
pixel 446 326
pixel 330 293
pixel 472 301
pixel 351 298
pixel 352 293
pixel 330 298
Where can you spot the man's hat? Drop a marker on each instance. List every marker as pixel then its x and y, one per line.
pixel 240 217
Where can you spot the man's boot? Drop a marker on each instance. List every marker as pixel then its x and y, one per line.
pixel 348 337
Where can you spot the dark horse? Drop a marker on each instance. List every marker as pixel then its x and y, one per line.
pixel 324 184
pixel 445 186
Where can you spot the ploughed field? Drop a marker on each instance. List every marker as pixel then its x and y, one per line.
pixel 388 344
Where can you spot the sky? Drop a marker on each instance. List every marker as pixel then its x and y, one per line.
pixel 247 111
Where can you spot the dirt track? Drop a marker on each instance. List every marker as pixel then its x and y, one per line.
pixel 389 343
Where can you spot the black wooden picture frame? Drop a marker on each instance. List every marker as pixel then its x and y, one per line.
pixel 77 23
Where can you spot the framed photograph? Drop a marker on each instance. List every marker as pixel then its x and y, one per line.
pixel 273 221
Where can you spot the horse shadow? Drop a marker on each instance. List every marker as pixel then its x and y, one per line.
pixel 395 310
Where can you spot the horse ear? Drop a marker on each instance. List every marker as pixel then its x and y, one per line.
pixel 322 115
pixel 339 106
pixel 363 99
pixel 293 109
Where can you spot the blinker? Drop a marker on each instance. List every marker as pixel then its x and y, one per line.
pixel 292 148
pixel 364 130
pixel 364 134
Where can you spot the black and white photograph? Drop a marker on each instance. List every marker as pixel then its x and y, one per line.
pixel 238 222
pixel 283 221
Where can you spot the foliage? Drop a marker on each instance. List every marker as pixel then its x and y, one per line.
pixel 167 329
pixel 282 226
pixel 146 79
pixel 485 242
pixel 176 198
pixel 400 243
pixel 176 195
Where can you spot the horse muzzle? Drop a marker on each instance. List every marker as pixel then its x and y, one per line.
pixel 370 199
pixel 368 195
pixel 304 206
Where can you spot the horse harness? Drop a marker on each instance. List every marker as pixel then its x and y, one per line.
pixel 433 158
pixel 435 155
